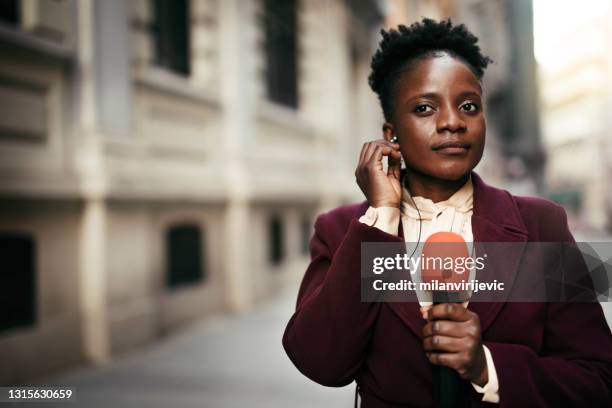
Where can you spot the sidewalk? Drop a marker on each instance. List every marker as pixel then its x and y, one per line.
pixel 225 362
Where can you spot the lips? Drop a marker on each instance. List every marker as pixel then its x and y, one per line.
pixel 451 147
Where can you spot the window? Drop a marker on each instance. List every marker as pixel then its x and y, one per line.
pixel 171 32
pixel 9 11
pixel 25 110
pixel 275 240
pixel 306 232
pixel 184 256
pixel 279 20
pixel 17 281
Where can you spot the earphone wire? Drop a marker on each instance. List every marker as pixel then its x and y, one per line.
pixel 418 212
pixel 403 183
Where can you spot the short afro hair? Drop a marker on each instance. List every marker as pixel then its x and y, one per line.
pixel 398 48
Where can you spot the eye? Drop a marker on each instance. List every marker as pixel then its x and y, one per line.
pixel 469 107
pixel 422 108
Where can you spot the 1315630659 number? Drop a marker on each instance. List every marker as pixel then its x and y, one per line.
pixel 39 394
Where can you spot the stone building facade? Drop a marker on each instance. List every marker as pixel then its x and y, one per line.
pixel 162 161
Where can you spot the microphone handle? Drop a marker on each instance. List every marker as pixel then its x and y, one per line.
pixel 446 387
pixel 447 383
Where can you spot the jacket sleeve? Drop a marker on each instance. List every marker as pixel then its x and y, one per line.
pixel 574 365
pixel 327 336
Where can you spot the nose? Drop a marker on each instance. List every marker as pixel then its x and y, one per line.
pixel 449 119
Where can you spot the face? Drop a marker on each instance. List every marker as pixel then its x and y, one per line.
pixel 438 118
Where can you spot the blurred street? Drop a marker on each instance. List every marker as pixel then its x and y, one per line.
pixel 223 362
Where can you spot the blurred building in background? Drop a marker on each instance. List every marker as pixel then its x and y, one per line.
pixel 161 160
pixel 575 73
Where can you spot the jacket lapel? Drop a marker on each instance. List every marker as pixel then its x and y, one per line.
pixel 496 218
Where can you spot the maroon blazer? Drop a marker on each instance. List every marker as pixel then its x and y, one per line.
pixel 545 354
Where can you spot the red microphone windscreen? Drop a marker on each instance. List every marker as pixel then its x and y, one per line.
pixel 444 259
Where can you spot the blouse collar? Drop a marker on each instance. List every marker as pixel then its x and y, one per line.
pixel 462 200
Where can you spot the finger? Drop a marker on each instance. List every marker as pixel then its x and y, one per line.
pixel 367 156
pixel 449 311
pixel 375 160
pixel 363 151
pixel 387 143
pixel 360 161
pixel 395 164
pixel 428 329
pixel 447 328
pixel 363 162
pixel 383 150
pixel 444 343
pixel 451 360
pixel 394 154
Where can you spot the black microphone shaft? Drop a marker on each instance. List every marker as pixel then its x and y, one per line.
pixel 447 383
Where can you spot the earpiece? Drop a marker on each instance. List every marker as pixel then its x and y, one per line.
pixel 394 140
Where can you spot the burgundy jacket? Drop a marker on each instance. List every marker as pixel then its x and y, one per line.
pixel 545 354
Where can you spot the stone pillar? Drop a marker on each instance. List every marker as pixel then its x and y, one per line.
pixel 237 254
pixel 91 251
pixel 236 94
pixel 92 285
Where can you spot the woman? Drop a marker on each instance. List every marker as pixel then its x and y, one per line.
pixel 428 79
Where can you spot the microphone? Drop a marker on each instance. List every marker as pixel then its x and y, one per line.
pixel 442 255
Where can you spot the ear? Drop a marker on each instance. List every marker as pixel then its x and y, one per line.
pixel 388 131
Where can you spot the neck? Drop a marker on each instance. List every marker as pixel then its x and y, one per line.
pixel 422 185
